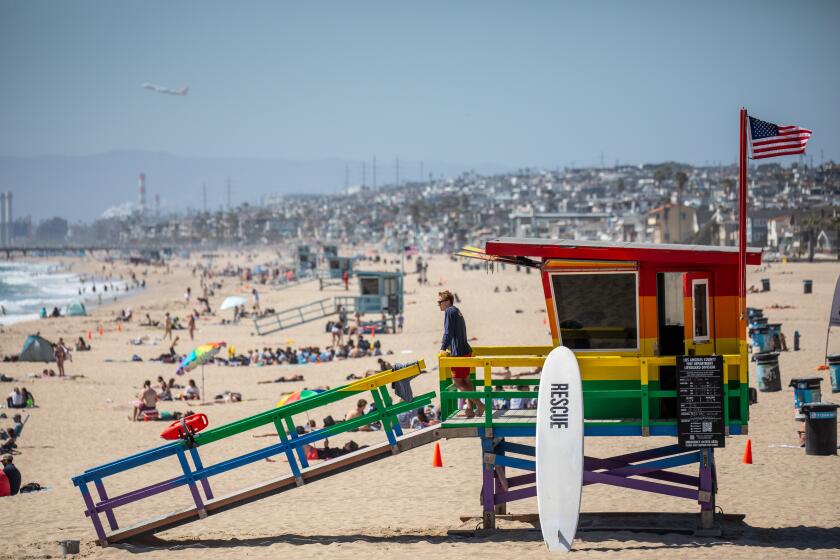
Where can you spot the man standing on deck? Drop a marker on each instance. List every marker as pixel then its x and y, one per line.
pixel 454 343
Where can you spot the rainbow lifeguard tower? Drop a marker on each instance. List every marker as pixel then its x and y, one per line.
pixel 627 310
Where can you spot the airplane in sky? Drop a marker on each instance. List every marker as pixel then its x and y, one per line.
pixel 163 89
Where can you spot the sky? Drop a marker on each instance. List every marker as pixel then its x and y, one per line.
pixel 533 83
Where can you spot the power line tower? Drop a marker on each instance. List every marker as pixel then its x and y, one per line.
pixel 228 193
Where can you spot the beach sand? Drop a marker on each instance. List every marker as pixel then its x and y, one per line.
pixel 400 507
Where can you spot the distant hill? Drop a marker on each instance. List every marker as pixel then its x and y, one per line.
pixel 82 187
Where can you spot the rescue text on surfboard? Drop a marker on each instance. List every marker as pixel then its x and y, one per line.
pixel 559 405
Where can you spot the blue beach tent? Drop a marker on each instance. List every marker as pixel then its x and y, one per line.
pixel 37 349
pixel 76 309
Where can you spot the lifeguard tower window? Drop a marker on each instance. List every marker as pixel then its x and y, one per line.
pixel 369 286
pixel 700 291
pixel 597 311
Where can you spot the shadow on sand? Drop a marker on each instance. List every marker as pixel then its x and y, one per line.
pixel 795 538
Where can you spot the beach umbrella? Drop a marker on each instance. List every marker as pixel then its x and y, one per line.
pixel 198 357
pixel 298 395
pixel 232 301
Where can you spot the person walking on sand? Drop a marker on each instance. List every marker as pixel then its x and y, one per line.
pixel 455 343
pixel 191 326
pixel 187 297
pixel 167 326
pixel 60 356
pixel 256 295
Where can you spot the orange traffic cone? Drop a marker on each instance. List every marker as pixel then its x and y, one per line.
pixel 747 460
pixel 436 459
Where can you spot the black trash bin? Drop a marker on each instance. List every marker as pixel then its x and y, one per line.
pixel 765 284
pixel 808 286
pixel 820 428
pixel 769 376
pixel 805 390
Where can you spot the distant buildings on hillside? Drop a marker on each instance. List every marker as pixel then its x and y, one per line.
pixel 794 211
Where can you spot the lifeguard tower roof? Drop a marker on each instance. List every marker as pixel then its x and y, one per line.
pixel 616 250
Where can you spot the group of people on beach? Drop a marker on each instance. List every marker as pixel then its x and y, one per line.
pixel 20 397
pixel 10 477
pixel 145 406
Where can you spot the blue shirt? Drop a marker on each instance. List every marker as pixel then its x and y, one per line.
pixel 455 333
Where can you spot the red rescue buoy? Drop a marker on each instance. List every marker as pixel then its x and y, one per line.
pixel 185 427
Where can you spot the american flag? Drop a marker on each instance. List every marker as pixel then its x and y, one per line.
pixel 771 140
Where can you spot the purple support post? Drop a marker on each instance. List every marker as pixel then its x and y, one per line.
pixel 205 484
pixel 109 513
pixel 94 517
pixel 501 484
pixel 706 494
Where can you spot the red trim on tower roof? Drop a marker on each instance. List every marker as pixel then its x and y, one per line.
pixel 641 252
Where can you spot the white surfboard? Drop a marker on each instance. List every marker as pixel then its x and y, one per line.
pixel 559 449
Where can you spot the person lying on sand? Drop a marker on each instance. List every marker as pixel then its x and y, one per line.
pixel 313 453
pixel 283 379
pixel 228 397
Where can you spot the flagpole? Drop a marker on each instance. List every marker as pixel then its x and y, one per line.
pixel 742 217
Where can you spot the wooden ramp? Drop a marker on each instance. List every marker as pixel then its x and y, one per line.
pixel 276 485
pixel 301 314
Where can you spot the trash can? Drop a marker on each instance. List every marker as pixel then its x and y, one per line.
pixel 761 339
pixel 769 376
pixel 807 286
pixel 765 284
pixel 805 390
pixel 759 321
pixel 820 428
pixel 834 373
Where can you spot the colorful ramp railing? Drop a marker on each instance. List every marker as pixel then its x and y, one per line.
pixel 623 395
pixel 290 443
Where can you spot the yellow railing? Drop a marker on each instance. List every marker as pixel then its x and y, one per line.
pixel 593 367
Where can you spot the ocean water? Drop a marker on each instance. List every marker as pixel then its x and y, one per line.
pixel 27 287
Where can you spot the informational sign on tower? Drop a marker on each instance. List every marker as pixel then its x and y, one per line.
pixel 700 422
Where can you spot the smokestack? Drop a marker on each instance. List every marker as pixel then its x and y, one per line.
pixel 3 240
pixel 157 206
pixel 141 184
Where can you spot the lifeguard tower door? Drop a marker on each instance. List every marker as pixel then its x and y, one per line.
pixel 699 323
